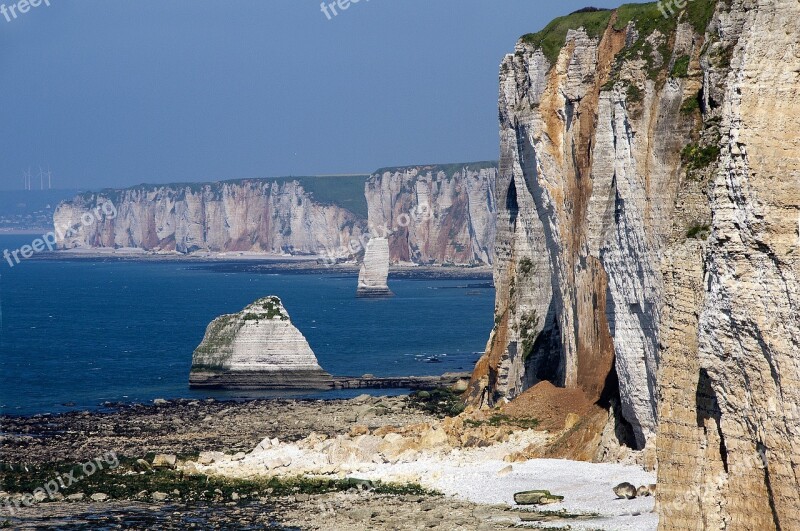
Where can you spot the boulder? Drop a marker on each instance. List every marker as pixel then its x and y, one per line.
pixel 143 466
pixel 536 497
pixel 460 386
pixel 165 461
pixel 505 471
pixel 645 491
pixel 625 490
pixel 99 497
pixel 209 458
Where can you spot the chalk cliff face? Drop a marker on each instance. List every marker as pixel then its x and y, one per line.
pixel 257 348
pixel 432 215
pixel 435 214
pixel 647 243
pixel 269 216
pixel 374 273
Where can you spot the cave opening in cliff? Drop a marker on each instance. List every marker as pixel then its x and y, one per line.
pixel 611 399
pixel 546 361
pixel 709 414
pixel 511 203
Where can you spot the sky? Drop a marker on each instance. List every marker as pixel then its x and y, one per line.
pixel 117 93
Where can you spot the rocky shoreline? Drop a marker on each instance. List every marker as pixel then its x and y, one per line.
pixel 41 444
pixel 191 463
pixel 251 263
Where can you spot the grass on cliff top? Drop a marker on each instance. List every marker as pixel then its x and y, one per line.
pixel 552 38
pixel 448 169
pixel 343 191
pixel 346 192
pixel 647 17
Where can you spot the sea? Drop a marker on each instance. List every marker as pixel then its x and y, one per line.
pixel 87 333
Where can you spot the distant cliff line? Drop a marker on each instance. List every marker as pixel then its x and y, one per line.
pixel 304 216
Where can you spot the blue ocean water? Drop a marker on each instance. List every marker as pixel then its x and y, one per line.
pixel 85 332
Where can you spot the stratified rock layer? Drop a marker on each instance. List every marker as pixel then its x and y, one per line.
pixel 374 273
pixel 275 217
pixel 432 215
pixel 435 214
pixel 729 434
pixel 257 348
pixel 648 251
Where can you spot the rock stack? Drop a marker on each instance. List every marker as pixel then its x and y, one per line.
pixel 375 270
pixel 257 348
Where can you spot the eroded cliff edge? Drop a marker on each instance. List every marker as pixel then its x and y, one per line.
pixel 647 244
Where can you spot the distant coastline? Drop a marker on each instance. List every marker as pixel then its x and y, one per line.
pixel 24 232
pixel 255 263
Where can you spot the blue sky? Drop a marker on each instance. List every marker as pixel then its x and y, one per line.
pixel 115 93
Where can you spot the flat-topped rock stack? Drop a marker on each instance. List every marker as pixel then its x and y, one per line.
pixel 257 348
pixel 374 273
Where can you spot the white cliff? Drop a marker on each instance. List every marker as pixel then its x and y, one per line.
pixel 435 214
pixel 648 252
pixel 257 348
pixel 432 215
pixel 374 272
pixel 276 217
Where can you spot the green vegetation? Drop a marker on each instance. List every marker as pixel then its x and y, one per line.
pixel 526 266
pixel 498 420
pixel 551 39
pixel 528 324
pixel 214 353
pixel 691 105
pixel 273 307
pixel 699 231
pixel 697 157
pixel 699 13
pixel 441 402
pixel 681 66
pixel 346 192
pixel 448 169
pixel 635 94
pixel 647 18
pixel 124 482
pixel 554 516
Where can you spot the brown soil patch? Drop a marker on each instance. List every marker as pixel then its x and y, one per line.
pixel 550 405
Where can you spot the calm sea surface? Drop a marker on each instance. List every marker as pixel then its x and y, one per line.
pixel 84 332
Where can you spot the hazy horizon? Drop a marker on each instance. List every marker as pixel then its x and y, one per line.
pixel 120 94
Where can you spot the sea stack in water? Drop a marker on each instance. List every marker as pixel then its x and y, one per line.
pixel 257 348
pixel 375 270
